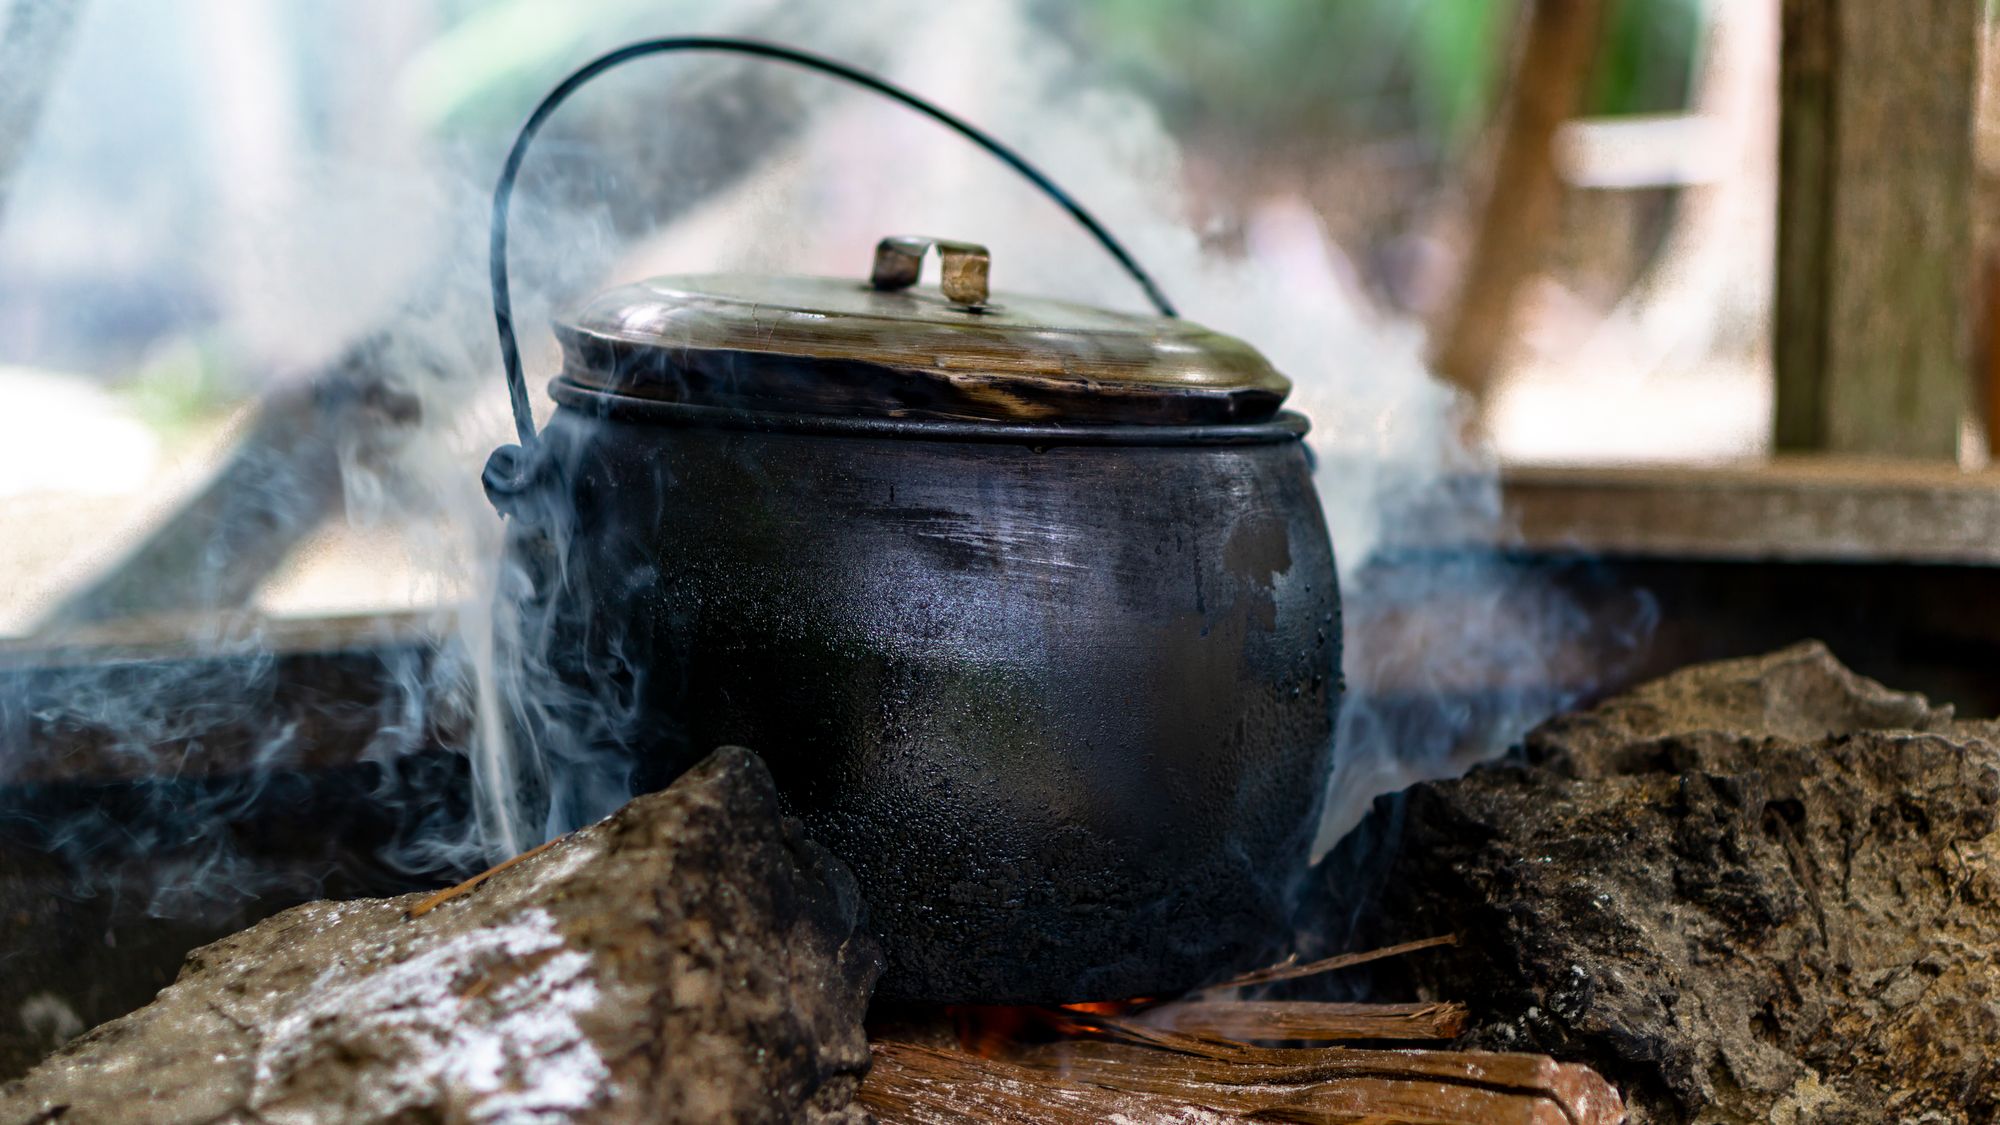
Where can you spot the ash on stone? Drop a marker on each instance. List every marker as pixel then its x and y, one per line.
pixel 691 958
pixel 1759 890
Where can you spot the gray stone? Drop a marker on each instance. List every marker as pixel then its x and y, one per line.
pixel 691 958
pixel 1760 890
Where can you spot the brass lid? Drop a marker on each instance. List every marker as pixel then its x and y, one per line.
pixel 884 347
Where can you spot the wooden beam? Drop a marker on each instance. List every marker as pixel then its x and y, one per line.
pixel 283 479
pixel 1875 187
pixel 1790 509
pixel 1519 213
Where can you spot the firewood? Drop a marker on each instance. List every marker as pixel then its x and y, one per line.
pixel 1291 970
pixel 1578 1089
pixel 909 1084
pixel 1189 1061
pixel 1763 889
pixel 436 899
pixel 1096 1081
pixel 691 958
pixel 1304 1020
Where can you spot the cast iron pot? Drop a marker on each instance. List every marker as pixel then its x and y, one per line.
pixel 1051 662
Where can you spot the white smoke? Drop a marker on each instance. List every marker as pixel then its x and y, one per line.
pixel 393 233
pixel 1389 436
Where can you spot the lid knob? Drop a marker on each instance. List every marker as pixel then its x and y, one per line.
pixel 899 261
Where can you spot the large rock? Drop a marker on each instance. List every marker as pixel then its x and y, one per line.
pixel 691 958
pixel 1761 890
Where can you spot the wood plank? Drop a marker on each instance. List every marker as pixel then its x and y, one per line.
pixel 210 697
pixel 1875 224
pixel 1804 509
pixel 201 635
pixel 214 550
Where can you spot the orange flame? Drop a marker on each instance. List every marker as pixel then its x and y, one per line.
pixel 989 1030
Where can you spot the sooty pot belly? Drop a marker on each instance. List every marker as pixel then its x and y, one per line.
pixel 1029 606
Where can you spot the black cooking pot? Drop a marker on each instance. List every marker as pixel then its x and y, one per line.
pixel 1029 606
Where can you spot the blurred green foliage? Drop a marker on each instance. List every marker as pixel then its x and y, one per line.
pixel 183 385
pixel 1267 72
pixel 495 57
pixel 1274 69
pixel 1646 63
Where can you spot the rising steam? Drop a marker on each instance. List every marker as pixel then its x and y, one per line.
pixel 395 247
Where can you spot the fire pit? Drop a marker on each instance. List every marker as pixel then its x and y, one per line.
pixel 912 704
pixel 1829 834
pixel 696 958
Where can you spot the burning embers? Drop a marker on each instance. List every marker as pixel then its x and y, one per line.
pixel 1218 1011
pixel 1215 1057
pixel 1067 1065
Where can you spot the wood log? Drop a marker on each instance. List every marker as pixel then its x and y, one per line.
pixel 911 1084
pixel 691 958
pixel 1765 889
pixel 1518 215
pixel 1184 1061
pixel 1079 1082
pixel 284 477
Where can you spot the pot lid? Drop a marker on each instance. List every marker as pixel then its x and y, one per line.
pixel 887 347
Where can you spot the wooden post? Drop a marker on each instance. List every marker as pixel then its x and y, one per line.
pixel 1875 180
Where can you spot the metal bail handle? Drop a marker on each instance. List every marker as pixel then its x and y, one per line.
pixel 503 192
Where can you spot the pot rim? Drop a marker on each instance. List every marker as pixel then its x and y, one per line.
pixel 1284 426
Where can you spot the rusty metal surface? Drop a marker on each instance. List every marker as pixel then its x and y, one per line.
pixel 899 263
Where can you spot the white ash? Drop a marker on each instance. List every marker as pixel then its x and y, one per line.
pixel 523 1059
pixel 692 958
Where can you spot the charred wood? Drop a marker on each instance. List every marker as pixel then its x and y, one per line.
pixel 691 958
pixel 1762 889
